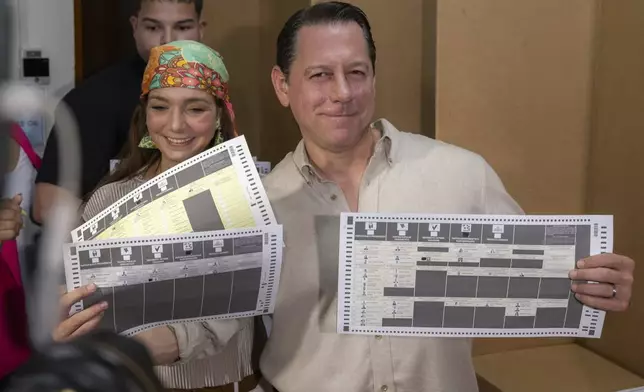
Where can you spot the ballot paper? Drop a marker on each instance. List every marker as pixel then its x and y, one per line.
pixel 466 275
pixel 216 190
pixel 158 280
pixel 197 242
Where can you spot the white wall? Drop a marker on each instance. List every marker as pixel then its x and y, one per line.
pixel 47 25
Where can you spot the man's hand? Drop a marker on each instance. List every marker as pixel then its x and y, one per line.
pixel 614 277
pixel 81 322
pixel 10 218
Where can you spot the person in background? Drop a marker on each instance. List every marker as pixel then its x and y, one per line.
pixel 24 163
pixel 15 234
pixel 14 340
pixel 184 110
pixel 104 103
pixel 347 162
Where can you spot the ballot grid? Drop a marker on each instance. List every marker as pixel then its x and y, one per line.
pixel 465 276
pixel 199 207
pixel 159 280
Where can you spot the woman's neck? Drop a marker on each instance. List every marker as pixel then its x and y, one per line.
pixel 159 167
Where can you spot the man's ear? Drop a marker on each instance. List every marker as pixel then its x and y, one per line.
pixel 134 21
pixel 374 77
pixel 280 84
pixel 202 29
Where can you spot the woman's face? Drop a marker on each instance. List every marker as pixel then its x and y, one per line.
pixel 181 122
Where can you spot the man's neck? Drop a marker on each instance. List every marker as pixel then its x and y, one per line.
pixel 345 168
pixel 337 166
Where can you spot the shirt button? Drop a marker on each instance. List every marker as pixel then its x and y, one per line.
pixel 378 337
pixel 384 388
pixel 333 197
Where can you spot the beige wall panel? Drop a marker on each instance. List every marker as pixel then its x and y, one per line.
pixel 245 33
pixel 233 30
pixel 616 170
pixel 513 85
pixel 428 72
pixel 281 133
pixel 513 81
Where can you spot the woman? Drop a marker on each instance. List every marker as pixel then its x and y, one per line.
pixel 184 110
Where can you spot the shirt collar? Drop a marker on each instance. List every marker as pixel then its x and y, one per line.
pixel 387 144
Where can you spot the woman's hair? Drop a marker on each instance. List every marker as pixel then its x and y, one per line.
pixel 135 160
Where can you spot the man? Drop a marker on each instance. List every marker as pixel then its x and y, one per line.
pixel 103 105
pixel 325 73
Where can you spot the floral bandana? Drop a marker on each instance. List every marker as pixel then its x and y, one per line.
pixel 187 64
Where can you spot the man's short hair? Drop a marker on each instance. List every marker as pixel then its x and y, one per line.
pixel 198 5
pixel 319 14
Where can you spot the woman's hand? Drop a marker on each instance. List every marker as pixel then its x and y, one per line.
pixel 10 218
pixel 82 322
pixel 614 276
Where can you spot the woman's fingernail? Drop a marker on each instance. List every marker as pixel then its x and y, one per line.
pixel 572 274
pixel 91 287
pixel 103 305
pixel 573 287
pixel 581 263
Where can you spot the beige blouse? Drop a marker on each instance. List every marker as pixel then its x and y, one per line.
pixel 211 353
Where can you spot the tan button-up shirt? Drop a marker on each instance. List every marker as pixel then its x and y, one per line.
pixel 408 174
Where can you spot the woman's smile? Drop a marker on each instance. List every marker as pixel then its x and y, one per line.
pixel 179 141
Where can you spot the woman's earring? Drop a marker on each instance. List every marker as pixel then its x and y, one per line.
pixel 218 123
pixel 147 142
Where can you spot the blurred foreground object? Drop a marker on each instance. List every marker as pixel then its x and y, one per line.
pixel 5 61
pixel 97 362
pixel 100 362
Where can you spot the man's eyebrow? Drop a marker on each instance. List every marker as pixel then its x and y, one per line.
pixel 151 20
pixel 321 67
pixel 358 64
pixel 316 67
pixel 156 21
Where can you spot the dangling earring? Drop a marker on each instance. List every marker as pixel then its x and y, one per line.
pixel 147 142
pixel 219 137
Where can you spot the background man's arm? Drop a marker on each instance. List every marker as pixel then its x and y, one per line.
pixel 46 190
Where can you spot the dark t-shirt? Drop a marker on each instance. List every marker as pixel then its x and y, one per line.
pixel 103 107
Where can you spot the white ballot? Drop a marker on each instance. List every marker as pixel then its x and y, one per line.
pixel 466 275
pixel 153 281
pixel 216 190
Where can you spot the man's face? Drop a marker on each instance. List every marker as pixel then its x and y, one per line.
pixel 331 86
pixel 160 22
